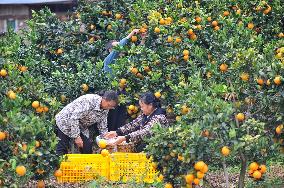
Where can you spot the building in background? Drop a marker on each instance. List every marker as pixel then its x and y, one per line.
pixel 14 13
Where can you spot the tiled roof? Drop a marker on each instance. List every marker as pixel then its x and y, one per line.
pixel 9 2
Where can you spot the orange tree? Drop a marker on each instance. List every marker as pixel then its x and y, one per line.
pixel 66 54
pixel 27 140
pixel 49 63
pixel 237 59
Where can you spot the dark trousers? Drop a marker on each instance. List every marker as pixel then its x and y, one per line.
pixel 65 143
pixel 117 117
pixel 139 147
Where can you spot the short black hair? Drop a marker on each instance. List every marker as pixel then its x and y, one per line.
pixel 109 95
pixel 150 98
pixel 109 44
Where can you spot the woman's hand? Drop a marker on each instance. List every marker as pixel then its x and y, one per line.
pixel 110 134
pixel 119 140
pixel 133 32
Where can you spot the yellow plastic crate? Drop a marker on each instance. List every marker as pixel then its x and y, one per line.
pixel 83 167
pixel 123 167
pixel 127 167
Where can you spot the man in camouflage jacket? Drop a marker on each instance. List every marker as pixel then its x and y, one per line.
pixel 75 119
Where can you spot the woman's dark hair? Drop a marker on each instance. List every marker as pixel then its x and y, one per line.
pixel 149 98
pixel 109 95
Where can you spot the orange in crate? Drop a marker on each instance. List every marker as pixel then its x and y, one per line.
pixel 125 148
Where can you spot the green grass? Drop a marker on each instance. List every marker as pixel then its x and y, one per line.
pixel 271 183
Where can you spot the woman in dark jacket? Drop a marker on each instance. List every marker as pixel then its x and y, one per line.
pixel 140 128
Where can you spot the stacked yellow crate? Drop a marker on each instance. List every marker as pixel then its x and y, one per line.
pixel 83 167
pixel 123 167
pixel 131 167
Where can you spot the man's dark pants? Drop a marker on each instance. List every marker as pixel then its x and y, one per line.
pixel 65 142
pixel 117 117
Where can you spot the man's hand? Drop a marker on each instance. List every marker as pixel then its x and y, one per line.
pixel 135 31
pixel 79 142
pixel 110 134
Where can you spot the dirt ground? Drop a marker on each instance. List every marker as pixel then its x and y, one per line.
pixel 213 180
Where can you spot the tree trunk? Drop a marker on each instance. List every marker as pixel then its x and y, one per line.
pixel 226 173
pixel 243 171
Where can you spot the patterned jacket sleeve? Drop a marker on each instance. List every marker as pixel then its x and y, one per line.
pixel 102 125
pixel 129 127
pixel 73 122
pixel 138 135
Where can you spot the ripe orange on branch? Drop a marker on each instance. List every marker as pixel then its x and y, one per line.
pixel 240 117
pixel 253 166
pixel 225 151
pixel 118 16
pixel 158 94
pixel 245 77
pixel 157 30
pixel 189 178
pixel 277 80
pixel 21 170
pixel 199 165
pixel 223 67
pixel 35 104
pixel 256 174
pixel 262 169
pixel 278 129
pixel 185 52
pixel 59 51
pixel 226 13
pixel 3 73
pixel 250 25
pixel 12 95
pixel 134 70
pixel 198 19
pixel 85 87
pixel 214 23
pixel 2 136
pixel 134 38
